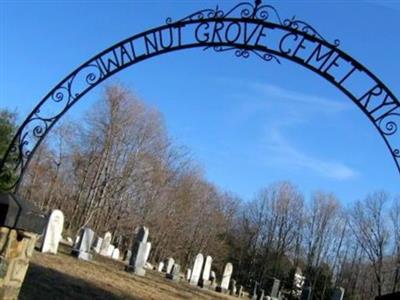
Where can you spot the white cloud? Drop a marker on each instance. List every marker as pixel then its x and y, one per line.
pixel 258 99
pixel 283 110
pixel 306 100
pixel 281 152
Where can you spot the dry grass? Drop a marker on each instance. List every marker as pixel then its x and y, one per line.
pixel 65 277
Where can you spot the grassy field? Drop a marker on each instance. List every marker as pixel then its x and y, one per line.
pixel 65 277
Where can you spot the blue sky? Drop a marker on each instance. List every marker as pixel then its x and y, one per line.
pixel 247 122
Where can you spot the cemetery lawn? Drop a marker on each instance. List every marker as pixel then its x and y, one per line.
pixel 62 276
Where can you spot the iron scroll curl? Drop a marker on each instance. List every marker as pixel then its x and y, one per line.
pixel 246 30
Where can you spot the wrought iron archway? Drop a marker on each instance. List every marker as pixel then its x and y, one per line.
pixel 246 30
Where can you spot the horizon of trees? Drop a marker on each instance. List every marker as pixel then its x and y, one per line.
pixel 118 169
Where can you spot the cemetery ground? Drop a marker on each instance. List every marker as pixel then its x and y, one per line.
pixel 62 276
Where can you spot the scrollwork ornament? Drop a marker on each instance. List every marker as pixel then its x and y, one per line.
pixel 266 56
pixel 93 75
pixel 306 28
pixel 388 125
pixel 247 10
pixel 242 53
pixel 61 94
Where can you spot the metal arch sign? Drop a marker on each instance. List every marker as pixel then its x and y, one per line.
pixel 245 30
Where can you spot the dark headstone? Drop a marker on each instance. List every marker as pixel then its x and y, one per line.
pixel 17 213
pixel 139 248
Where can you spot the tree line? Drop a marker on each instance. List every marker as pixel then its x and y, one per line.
pixel 117 168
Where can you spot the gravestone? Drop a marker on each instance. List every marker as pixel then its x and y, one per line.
pixel 119 241
pixel 213 279
pixel 275 288
pixel 260 295
pixel 147 251
pixel 254 290
pixel 188 274
pixel 105 244
pixel 174 275
pixel 226 277
pixel 82 248
pixel 239 291
pixel 115 254
pixel 232 287
pixel 110 250
pixel 169 264
pixel 205 275
pixel 138 258
pixel 76 240
pixel 338 293
pixel 52 236
pixel 97 246
pixel 127 255
pixel 306 293
pixel 160 266
pixel 196 271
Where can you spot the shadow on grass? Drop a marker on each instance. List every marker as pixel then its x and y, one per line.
pixel 47 283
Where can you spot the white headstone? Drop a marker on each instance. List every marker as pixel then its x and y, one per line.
pixel 105 244
pixel 169 265
pixel 232 289
pixel 213 275
pixel 97 247
pixel 147 251
pixel 160 266
pixel 127 255
pixel 110 250
pixel 226 276
pixel 275 288
pixel 115 254
pixel 82 248
pixel 196 271
pixel 188 274
pixel 207 269
pixel 175 273
pixel 149 266
pixel 213 278
pixel 76 241
pixel 52 236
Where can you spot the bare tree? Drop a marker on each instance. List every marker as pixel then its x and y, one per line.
pixel 395 217
pixel 370 230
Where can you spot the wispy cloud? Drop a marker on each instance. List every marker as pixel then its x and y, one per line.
pixel 296 98
pixel 258 99
pixel 290 111
pixel 281 152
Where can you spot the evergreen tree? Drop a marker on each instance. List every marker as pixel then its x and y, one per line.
pixel 7 131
